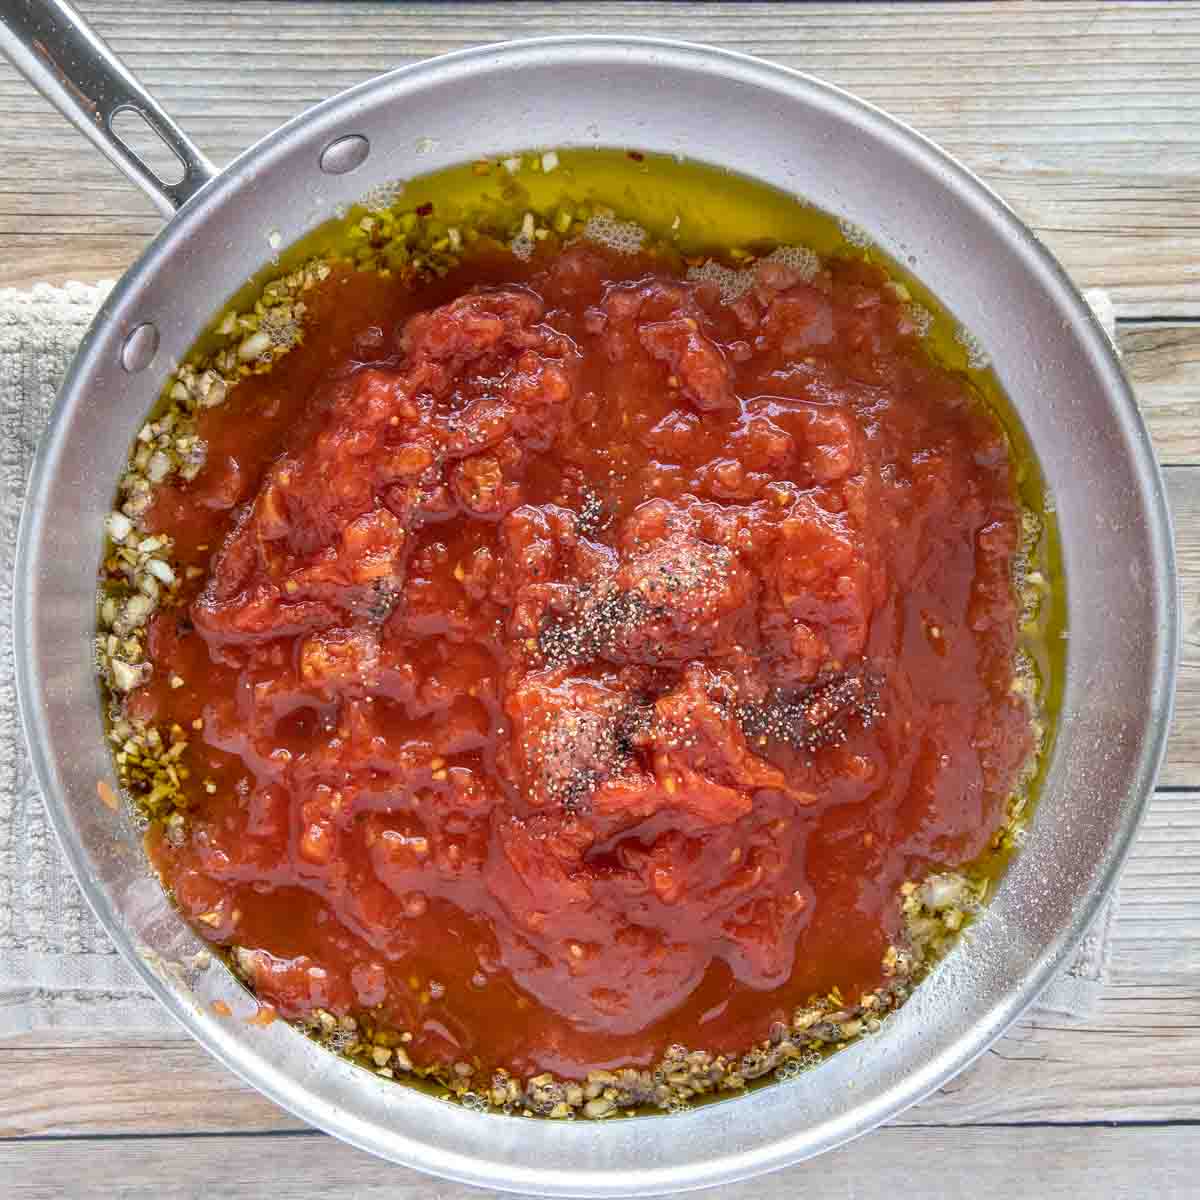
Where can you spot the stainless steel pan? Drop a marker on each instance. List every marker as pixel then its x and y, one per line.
pixel 751 117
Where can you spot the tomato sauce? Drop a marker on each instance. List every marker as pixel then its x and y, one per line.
pixel 579 663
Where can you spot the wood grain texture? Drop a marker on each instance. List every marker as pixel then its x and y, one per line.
pixel 1182 765
pixel 1084 116
pixel 984 1164
pixel 1136 1057
pixel 1163 364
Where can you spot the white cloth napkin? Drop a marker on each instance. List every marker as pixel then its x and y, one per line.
pixel 57 966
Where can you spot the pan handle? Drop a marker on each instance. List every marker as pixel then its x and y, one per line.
pixel 64 58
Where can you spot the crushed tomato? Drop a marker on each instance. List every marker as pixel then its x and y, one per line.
pixel 584 662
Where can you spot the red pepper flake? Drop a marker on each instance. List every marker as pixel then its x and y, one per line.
pixel 426 209
pixel 221 1009
pixel 107 796
pixel 265 1015
pixel 636 155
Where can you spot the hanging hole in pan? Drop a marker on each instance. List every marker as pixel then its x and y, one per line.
pixel 344 154
pixel 132 128
pixel 140 347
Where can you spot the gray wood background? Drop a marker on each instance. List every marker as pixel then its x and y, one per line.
pixel 1086 118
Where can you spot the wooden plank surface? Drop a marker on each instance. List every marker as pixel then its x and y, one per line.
pixel 1084 116
pixel 1162 360
pixel 1182 765
pixel 982 1164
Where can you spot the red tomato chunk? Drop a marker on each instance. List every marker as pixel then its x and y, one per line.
pixel 584 662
